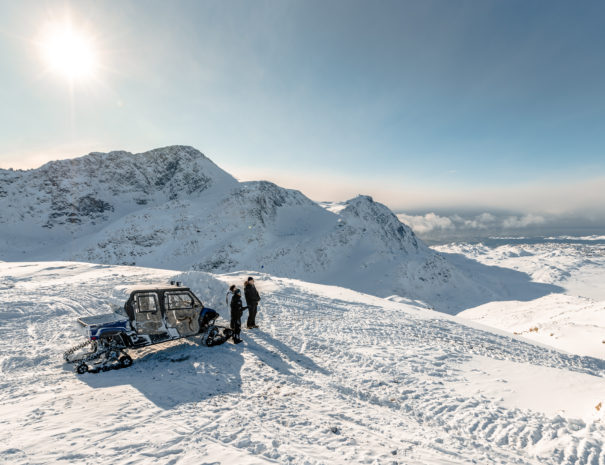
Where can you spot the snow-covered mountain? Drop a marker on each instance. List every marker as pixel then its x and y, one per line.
pixel 77 196
pixel 174 208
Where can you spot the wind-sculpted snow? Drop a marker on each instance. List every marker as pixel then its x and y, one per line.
pixel 333 376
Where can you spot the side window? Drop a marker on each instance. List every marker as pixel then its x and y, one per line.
pixel 146 303
pixel 180 301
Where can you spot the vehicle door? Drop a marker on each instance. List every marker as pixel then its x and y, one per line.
pixel 182 312
pixel 148 316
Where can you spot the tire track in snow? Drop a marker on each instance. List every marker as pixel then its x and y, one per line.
pixel 430 403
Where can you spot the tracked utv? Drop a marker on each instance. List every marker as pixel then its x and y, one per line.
pixel 151 315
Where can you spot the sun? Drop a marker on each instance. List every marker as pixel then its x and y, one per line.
pixel 69 52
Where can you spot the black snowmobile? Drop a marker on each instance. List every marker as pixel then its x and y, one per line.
pixel 152 315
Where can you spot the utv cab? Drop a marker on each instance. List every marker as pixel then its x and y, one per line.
pixel 159 314
pixel 151 315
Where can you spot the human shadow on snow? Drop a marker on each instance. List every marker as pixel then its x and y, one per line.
pixel 276 354
pixel 494 283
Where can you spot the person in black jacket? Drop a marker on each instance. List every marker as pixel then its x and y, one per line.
pixel 236 315
pixel 252 299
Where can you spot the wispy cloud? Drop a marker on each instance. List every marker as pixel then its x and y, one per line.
pixel 429 222
pixel 522 221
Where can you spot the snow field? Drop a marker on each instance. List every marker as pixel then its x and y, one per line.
pixel 577 267
pixel 333 376
pixel 571 319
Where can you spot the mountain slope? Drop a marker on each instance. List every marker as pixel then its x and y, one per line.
pixel 174 208
pixel 67 199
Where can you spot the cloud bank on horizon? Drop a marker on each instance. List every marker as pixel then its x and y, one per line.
pixel 431 222
pixel 450 226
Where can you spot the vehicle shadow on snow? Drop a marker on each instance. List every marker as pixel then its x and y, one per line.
pixel 495 283
pixel 178 374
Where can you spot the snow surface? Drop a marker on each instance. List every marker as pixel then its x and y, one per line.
pixel 333 376
pixel 572 319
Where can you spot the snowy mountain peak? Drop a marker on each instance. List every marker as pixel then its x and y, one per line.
pixel 383 222
pixel 261 200
pixel 145 171
pixel 175 169
pixel 100 186
pixel 173 207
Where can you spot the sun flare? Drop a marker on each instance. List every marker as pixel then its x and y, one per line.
pixel 69 52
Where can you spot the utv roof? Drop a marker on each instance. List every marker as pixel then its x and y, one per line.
pixel 124 292
pixel 155 287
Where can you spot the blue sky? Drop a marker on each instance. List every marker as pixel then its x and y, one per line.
pixel 423 104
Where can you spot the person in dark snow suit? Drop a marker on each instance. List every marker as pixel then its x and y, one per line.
pixel 252 299
pixel 236 315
